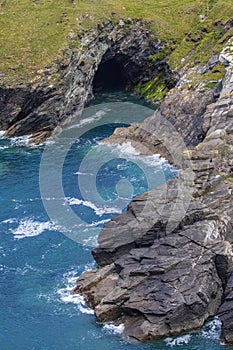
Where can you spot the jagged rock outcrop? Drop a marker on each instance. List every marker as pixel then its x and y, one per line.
pixel 166 264
pixel 158 282
pixel 61 91
pixel 183 108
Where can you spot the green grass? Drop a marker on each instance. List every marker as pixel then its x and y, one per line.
pixel 205 38
pixel 34 32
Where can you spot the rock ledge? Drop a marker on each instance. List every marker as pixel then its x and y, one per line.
pixel 166 264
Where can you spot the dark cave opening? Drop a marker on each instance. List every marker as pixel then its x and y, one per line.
pixel 110 76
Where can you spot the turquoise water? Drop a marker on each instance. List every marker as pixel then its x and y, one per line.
pixel 47 234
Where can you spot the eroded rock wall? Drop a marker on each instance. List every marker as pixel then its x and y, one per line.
pixel 166 264
pixel 60 92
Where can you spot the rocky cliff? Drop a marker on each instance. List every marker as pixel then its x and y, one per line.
pixel 60 91
pixel 166 264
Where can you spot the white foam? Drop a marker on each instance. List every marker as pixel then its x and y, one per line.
pixel 212 329
pixel 101 222
pixel 17 141
pixel 183 340
pixel 91 233
pixel 80 173
pixel 93 224
pixel 23 270
pixel 17 204
pixel 66 295
pixel 2 250
pixel 50 141
pixel 95 117
pixel 77 300
pixel 9 221
pixel 91 241
pixel 127 150
pixel 113 329
pixel 30 228
pixel 98 211
pixel 124 149
pixel 20 141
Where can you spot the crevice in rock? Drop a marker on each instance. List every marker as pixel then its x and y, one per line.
pixel 221 263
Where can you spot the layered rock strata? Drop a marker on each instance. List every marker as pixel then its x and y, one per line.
pixel 59 92
pixel 166 264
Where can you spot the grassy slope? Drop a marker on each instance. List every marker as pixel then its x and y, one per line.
pixel 32 32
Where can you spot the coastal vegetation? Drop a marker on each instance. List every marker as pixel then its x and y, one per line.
pixel 165 264
pixel 34 33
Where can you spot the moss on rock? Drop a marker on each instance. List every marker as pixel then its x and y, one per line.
pixel 155 90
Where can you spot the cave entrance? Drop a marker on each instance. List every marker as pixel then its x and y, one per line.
pixel 110 76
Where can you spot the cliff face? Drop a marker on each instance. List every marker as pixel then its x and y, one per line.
pixel 166 264
pixel 60 92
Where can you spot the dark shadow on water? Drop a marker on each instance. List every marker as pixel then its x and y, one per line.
pixel 120 96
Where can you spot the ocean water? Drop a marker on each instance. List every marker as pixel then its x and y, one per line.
pixel 54 200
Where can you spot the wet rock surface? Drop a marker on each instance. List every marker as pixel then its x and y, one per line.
pixel 183 109
pixel 157 281
pixel 166 264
